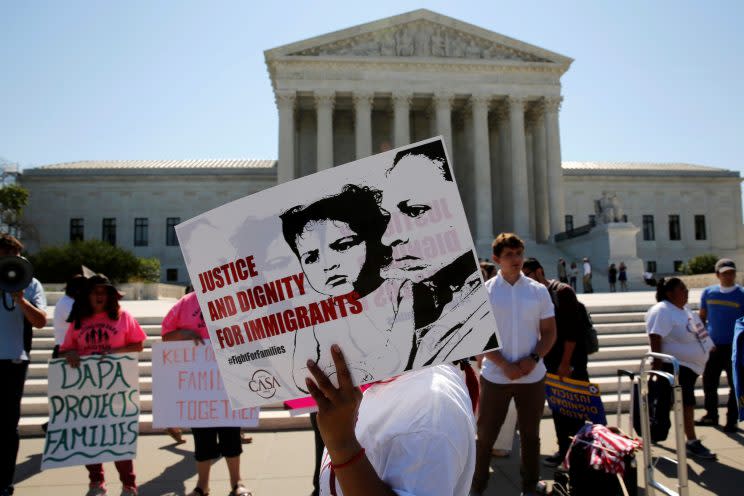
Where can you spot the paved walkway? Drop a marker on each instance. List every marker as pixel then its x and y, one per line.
pixel 281 464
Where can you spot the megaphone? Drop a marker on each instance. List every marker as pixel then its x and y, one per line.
pixel 15 275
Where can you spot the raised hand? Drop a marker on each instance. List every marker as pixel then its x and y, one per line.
pixel 337 407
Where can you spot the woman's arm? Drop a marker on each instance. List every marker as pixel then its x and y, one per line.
pixel 337 413
pixel 655 342
pixel 36 316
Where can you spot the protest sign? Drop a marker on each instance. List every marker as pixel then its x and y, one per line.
pixel 187 389
pixel 93 411
pixel 575 399
pixel 375 256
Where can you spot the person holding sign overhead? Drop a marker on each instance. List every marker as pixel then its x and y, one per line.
pixel 185 322
pixel 98 326
pixel 410 435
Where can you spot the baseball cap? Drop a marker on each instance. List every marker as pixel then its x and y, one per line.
pixel 725 264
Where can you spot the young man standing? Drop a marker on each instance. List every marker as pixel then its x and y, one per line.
pixel 26 305
pixel 720 306
pixel 587 279
pixel 525 318
pixel 567 357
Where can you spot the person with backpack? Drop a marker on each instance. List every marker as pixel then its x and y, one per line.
pixel 673 329
pixel 568 356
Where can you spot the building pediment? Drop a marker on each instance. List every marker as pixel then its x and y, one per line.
pixel 420 34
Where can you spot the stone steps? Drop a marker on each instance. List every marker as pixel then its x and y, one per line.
pixel 620 327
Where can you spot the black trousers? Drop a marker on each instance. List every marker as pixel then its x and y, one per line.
pixel 718 361
pixel 14 378
pixel 565 427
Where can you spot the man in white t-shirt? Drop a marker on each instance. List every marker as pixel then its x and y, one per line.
pixel 587 279
pixel 525 318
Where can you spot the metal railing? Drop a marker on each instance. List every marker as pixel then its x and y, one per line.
pixel 573 233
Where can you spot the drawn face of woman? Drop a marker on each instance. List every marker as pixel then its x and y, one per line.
pixel 98 298
pixel 331 256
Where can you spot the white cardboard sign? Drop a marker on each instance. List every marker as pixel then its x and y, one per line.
pixel 93 411
pixel 375 256
pixel 187 389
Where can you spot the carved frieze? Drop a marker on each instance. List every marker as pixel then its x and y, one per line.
pixel 420 39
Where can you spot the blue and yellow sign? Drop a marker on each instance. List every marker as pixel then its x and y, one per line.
pixel 575 399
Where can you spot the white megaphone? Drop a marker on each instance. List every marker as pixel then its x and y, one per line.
pixel 15 275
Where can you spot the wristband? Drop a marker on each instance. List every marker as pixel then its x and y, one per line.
pixel 348 462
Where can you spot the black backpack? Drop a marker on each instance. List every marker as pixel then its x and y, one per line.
pixel 589 333
pixel 591 341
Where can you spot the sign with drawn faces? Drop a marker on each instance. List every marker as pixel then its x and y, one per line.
pixel 375 256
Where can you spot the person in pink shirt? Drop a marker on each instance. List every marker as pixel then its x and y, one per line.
pixel 98 326
pixel 185 322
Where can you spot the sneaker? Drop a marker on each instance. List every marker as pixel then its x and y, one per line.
pixel 553 460
pixel 706 421
pixel 731 428
pixel 96 490
pixel 696 449
pixel 129 491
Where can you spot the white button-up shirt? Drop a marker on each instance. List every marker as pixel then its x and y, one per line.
pixel 518 310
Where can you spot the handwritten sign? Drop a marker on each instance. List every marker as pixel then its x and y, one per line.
pixel 375 256
pixel 187 389
pixel 93 411
pixel 575 399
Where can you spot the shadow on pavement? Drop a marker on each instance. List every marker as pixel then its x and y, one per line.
pixel 171 480
pixel 28 468
pixel 716 477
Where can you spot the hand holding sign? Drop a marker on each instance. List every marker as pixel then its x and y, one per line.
pixel 338 407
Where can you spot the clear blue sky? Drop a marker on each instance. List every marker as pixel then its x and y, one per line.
pixel 651 81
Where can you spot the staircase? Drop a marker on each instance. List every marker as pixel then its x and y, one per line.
pixel 622 340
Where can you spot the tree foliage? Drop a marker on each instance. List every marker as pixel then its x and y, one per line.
pixel 13 199
pixel 701 264
pixel 59 263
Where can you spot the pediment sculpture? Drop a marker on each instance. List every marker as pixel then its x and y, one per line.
pixel 420 39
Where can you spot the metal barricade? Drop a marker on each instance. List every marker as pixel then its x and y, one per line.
pixel 643 377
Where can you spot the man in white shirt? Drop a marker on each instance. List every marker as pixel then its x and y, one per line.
pixel 525 317
pixel 587 279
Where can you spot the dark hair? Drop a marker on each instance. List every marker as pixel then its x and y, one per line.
pixel 532 264
pixel 665 286
pixel 82 309
pixel 506 240
pixel 74 285
pixel 359 208
pixel 488 269
pixel 11 243
pixel 434 151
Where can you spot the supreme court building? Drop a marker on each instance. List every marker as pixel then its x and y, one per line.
pixel 355 92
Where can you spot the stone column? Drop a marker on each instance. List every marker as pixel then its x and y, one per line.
pixel 482 171
pixel 501 115
pixel 285 102
pixel 556 201
pixel 443 112
pixel 402 119
pixel 324 112
pixel 363 123
pixel 520 190
pixel 542 213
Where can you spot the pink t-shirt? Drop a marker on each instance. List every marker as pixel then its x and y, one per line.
pixel 100 334
pixel 185 314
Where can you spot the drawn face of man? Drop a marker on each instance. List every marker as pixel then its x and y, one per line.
pixel 421 228
pixel 331 256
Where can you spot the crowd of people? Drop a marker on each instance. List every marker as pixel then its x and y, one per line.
pixel 419 433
